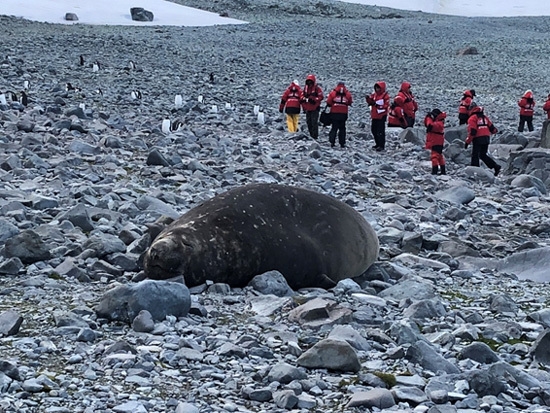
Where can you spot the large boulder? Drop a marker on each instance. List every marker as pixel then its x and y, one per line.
pixel 139 14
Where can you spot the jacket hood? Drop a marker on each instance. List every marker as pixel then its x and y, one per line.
pixel 399 100
pixel 528 94
pixel 476 109
pixel 294 86
pixel 341 88
pixel 468 93
pixel 405 87
pixel 441 116
pixel 311 77
pixel 382 85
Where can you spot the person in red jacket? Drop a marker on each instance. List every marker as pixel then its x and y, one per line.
pixel 409 103
pixel 435 139
pixel 290 104
pixel 339 100
pixel 546 107
pixel 312 96
pixel 379 103
pixel 464 107
pixel 480 129
pixel 396 116
pixel 526 111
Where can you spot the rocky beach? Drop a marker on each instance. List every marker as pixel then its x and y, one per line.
pixel 452 317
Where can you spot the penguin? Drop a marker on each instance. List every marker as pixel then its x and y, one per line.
pixel 211 76
pixel 178 101
pixel 3 100
pixel 99 91
pixel 131 65
pixel 96 66
pixel 136 94
pixel 166 125
pixel 26 85
pixel 24 100
pixel 81 60
pixel 176 126
pixel 12 96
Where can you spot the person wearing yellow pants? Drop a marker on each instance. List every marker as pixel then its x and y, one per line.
pixel 290 105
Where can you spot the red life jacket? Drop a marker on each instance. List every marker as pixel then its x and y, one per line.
pixel 311 92
pixel 435 134
pixel 339 100
pixel 464 107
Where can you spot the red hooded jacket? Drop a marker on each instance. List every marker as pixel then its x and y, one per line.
pixel 312 95
pixel 527 104
pixel 479 125
pixel 396 116
pixel 339 99
pixel 546 107
pixel 409 103
pixel 435 130
pixel 290 102
pixel 379 102
pixel 465 103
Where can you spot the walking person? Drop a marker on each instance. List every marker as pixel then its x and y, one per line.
pixel 526 111
pixel 290 104
pixel 379 103
pixel 409 103
pixel 339 100
pixel 435 139
pixel 480 129
pixel 464 107
pixel 312 96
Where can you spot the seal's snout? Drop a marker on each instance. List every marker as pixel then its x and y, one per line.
pixel 162 260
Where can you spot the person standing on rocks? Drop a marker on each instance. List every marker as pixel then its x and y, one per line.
pixel 435 139
pixel 379 102
pixel 396 116
pixel 312 96
pixel 526 111
pixel 339 100
pixel 290 104
pixel 480 129
pixel 546 107
pixel 464 107
pixel 409 103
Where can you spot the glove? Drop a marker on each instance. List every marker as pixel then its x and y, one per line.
pixel 466 145
pixel 311 100
pixel 280 111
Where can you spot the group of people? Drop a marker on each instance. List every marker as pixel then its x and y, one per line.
pixel 399 113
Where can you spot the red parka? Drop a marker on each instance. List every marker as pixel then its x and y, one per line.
pixel 290 102
pixel 339 99
pixel 479 125
pixel 546 107
pixel 379 102
pixel 312 95
pixel 465 102
pixel 435 130
pixel 396 116
pixel 527 104
pixel 409 103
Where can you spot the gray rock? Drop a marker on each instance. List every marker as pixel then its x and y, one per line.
pixel 11 266
pixel 460 195
pixel 541 348
pixel 156 158
pixel 331 354
pixel 28 247
pixel 413 395
pixel 7 230
pixel 10 322
pixel 139 14
pixel 285 399
pixel 528 181
pixel 409 289
pixel 79 216
pixel 424 309
pixel 351 336
pixel 285 373
pixel 160 298
pixel 378 398
pixel 425 355
pixel 71 17
pixel 143 323
pixel 318 312
pixel 479 352
pixel 186 408
pixel 271 282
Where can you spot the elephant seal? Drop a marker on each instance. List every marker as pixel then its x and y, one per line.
pixel 313 239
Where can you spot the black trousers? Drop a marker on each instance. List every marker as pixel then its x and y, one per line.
pixel 378 129
pixel 338 127
pixel 312 121
pixel 463 118
pixel 522 120
pixel 479 151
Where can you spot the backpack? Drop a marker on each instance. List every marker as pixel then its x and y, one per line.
pixel 325 119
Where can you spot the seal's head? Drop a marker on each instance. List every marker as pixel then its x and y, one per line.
pixel 163 260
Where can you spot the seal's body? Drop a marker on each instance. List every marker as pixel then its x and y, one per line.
pixel 313 239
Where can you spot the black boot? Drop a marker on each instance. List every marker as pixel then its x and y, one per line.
pixel 435 169
pixel 443 170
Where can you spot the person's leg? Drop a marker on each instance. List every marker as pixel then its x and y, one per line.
pixel 295 122
pixel 475 154
pixel 521 123
pixel 382 134
pixel 487 160
pixel 289 123
pixel 309 120
pixel 314 132
pixel 342 134
pixel 332 133
pixel 530 123
pixel 374 134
